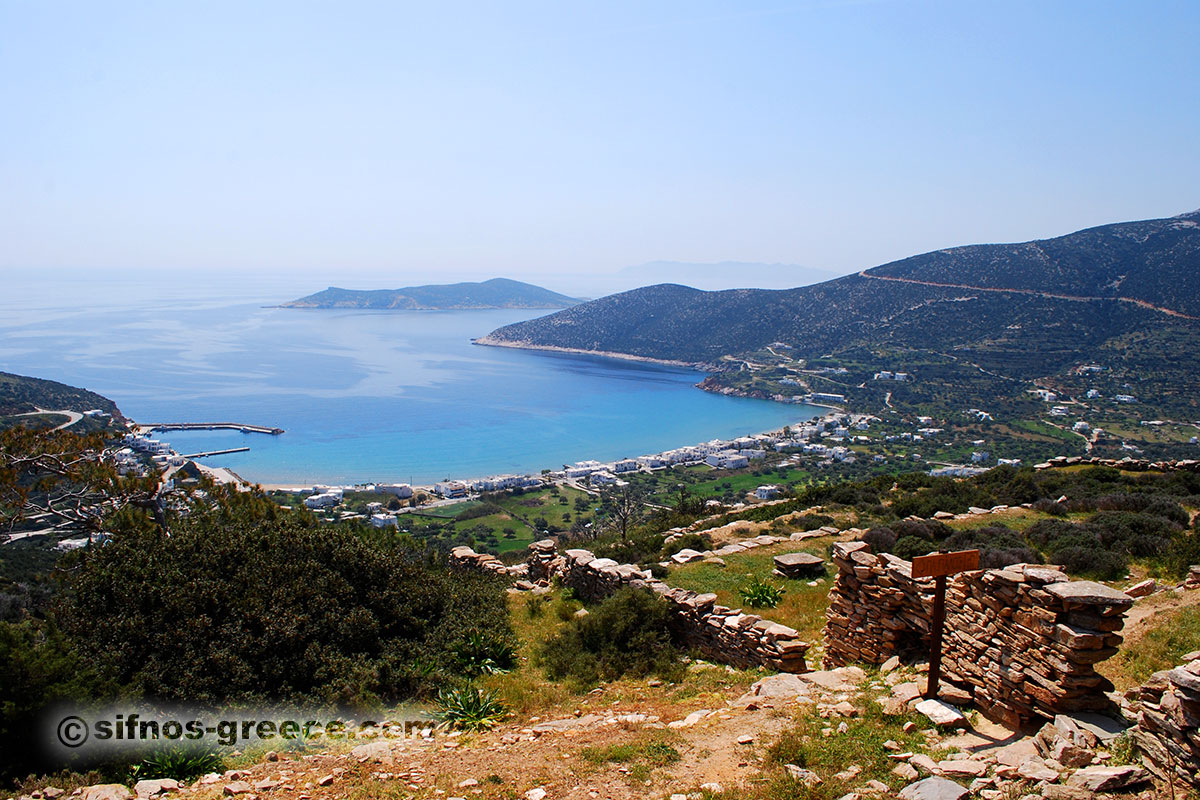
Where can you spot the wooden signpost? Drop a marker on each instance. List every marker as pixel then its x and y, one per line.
pixel 938 566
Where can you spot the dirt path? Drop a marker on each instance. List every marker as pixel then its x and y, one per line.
pixel 1033 292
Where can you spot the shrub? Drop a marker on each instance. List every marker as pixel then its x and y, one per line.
pixel 998 546
pixel 248 602
pixel 628 633
pixel 1182 554
pixel 470 708
pixel 881 540
pixel 1051 507
pixel 1089 562
pixel 485 654
pixel 760 593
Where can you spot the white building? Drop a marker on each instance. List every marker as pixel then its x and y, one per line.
pixel 450 489
pixel 727 459
pixel 768 492
pixel 322 500
pixel 625 465
pixel 401 490
pixel 383 521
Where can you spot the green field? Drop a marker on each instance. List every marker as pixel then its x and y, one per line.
pixel 803 606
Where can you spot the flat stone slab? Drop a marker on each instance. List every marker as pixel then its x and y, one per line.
pixel 1089 593
pixel 799 564
pixel 570 723
pixel 1103 779
pixel 686 555
pixel 934 788
pixel 940 713
pixel 1103 728
pixel 841 679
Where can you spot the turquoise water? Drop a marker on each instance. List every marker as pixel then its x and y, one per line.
pixel 363 396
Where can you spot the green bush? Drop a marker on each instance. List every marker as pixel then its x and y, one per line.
pixel 247 602
pixel 998 546
pixel 627 634
pixel 1183 553
pixel 38 668
pixel 481 653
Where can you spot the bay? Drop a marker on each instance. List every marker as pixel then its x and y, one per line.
pixel 363 395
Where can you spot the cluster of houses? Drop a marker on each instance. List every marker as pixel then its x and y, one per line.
pixel 131 459
pixel 323 497
pixel 496 483
pixel 887 375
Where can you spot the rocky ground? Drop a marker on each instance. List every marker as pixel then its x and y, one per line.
pixel 643 744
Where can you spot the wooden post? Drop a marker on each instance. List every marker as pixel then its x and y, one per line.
pixel 936 624
pixel 938 566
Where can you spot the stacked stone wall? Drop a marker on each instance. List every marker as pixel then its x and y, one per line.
pixel 1168 721
pixel 466 558
pixel 1023 640
pixel 722 634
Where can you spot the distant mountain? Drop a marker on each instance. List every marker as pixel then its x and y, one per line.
pixel 1034 308
pixel 494 293
pixel 20 394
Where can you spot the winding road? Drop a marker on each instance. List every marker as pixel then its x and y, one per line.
pixel 72 416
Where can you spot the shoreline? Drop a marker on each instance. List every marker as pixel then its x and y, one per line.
pixel 281 486
pixel 487 341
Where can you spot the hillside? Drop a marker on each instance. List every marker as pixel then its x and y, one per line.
pixel 1125 297
pixel 20 394
pixel 1155 262
pixel 494 293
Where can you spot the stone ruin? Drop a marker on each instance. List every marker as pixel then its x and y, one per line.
pixel 1023 641
pixel 1168 720
pixel 723 634
pixel 466 558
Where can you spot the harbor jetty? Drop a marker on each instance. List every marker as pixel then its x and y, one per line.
pixel 209 426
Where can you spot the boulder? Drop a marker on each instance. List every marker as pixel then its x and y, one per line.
pixel 934 788
pixel 106 791
pixel 153 788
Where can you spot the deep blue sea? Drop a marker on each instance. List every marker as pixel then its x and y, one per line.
pixel 363 395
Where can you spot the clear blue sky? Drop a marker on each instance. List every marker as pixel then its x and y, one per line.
pixel 369 141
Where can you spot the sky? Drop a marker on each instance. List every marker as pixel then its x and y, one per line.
pixel 374 144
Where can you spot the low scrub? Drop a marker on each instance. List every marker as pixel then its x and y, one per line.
pixel 627 634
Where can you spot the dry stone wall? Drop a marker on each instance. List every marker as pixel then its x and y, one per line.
pixel 722 634
pixel 1023 640
pixel 1168 721
pixel 466 558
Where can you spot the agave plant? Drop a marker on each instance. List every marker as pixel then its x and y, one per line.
pixel 179 761
pixel 762 594
pixel 470 708
pixel 480 654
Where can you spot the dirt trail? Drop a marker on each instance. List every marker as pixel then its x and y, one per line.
pixel 1033 292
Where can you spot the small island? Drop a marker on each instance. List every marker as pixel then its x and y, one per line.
pixel 494 293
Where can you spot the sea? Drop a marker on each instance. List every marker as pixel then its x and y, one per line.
pixel 364 396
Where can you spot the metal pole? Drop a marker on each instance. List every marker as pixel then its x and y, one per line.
pixel 935 636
